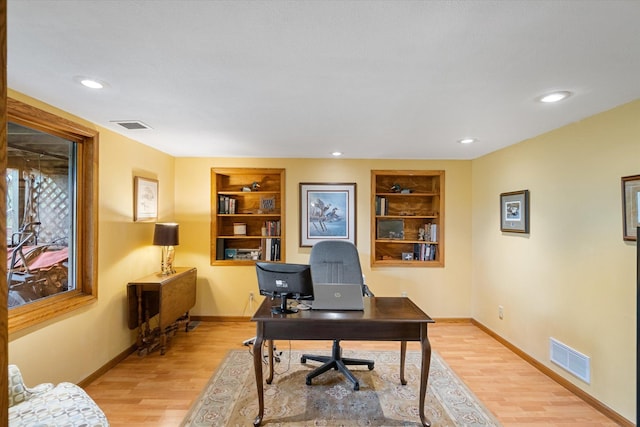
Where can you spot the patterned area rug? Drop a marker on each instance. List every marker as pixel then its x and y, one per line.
pixel 230 397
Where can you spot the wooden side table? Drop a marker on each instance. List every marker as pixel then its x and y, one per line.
pixel 169 298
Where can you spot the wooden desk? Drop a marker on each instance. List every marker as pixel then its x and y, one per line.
pixel 383 319
pixel 168 297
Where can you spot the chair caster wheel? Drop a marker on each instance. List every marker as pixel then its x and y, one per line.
pixel 370 367
pixel 303 360
pixel 356 387
pixel 308 381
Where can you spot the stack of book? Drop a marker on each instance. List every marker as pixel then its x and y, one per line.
pixel 382 206
pixel 424 252
pixel 226 205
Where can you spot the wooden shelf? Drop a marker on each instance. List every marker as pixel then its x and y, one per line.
pixel 402 203
pixel 233 205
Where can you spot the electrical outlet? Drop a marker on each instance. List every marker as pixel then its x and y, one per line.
pixel 403 294
pixel 250 296
pixel 501 312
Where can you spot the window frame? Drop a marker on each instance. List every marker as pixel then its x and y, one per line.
pixel 86 289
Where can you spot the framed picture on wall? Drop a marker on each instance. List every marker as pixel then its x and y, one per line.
pixel 514 211
pixel 630 206
pixel 327 212
pixel 145 199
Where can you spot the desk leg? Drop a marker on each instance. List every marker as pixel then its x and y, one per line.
pixel 257 366
pixel 270 377
pixel 424 374
pixel 403 356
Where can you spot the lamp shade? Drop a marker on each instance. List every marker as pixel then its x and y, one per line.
pixel 166 234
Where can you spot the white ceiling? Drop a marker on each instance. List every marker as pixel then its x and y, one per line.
pixel 373 79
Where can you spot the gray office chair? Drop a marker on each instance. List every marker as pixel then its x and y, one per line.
pixel 336 261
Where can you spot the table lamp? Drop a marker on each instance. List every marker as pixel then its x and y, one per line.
pixel 166 235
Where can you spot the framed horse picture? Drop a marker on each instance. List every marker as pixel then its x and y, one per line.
pixel 327 212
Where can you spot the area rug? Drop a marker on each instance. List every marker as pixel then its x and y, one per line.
pixel 230 397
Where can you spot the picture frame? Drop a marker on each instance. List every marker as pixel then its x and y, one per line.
pixel 514 211
pixel 145 199
pixel 327 212
pixel 390 229
pixel 630 207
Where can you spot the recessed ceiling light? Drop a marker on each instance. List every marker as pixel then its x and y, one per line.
pixel 467 140
pixel 90 82
pixel 336 154
pixel 555 96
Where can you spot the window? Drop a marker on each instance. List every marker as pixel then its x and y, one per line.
pixel 52 206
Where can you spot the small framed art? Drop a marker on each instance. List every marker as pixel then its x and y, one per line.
pixel 514 211
pixel 630 207
pixel 145 199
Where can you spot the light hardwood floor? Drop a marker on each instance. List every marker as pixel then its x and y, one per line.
pixel 155 390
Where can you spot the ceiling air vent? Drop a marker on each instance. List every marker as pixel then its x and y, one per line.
pixel 131 124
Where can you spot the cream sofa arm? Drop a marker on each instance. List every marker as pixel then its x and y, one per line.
pixel 18 391
pixel 66 404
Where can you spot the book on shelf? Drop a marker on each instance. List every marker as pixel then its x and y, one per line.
pixel 226 204
pixel 424 251
pixel 272 228
pixel 271 250
pixel 431 232
pixel 382 206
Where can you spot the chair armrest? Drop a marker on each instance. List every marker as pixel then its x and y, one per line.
pixel 18 391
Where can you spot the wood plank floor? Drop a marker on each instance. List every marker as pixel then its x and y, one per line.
pixel 155 390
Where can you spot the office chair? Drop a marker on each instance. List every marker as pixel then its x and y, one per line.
pixel 336 261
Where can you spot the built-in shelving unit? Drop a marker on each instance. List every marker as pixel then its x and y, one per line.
pixel 407 218
pixel 247 215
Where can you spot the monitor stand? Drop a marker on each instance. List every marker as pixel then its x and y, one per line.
pixel 282 309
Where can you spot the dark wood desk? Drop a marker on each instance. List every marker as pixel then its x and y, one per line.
pixel 168 297
pixel 383 319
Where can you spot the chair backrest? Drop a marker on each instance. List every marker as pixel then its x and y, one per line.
pixel 336 261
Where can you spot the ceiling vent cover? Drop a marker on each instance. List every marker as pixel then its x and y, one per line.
pixel 132 124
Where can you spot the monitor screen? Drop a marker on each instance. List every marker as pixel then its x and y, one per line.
pixel 282 280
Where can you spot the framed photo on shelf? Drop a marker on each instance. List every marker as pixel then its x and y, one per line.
pixel 630 207
pixel 327 212
pixel 392 229
pixel 514 211
pixel 145 199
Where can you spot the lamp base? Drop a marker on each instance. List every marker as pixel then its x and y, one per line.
pixel 168 254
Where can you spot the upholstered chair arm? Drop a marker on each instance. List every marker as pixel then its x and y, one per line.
pixel 18 391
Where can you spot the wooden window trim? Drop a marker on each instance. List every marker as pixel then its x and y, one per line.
pixel 86 291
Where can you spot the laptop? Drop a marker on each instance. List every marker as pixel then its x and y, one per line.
pixel 337 296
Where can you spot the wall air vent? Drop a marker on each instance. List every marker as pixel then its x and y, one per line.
pixel 573 361
pixel 131 124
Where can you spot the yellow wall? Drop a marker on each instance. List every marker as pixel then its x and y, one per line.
pixel 73 347
pixel 224 290
pixel 572 277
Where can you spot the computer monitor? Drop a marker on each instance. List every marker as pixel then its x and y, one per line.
pixel 282 280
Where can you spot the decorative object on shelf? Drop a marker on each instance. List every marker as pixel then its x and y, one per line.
pixel 145 199
pixel 255 186
pixel 630 206
pixel 407 256
pixel 267 204
pixel 239 229
pixel 327 212
pixel 391 229
pixel 166 235
pixel 514 211
pixel 397 188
